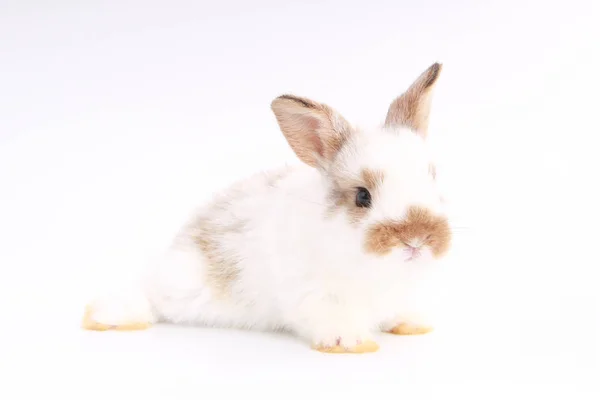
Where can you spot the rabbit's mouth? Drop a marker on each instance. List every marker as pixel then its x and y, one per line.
pixel 421 231
pixel 412 253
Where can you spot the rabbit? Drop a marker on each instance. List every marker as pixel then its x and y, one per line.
pixel 334 250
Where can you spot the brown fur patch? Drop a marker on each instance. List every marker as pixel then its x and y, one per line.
pixel 209 231
pixel 372 178
pixel 313 130
pixel 332 144
pixel 222 266
pixel 343 193
pixel 412 108
pixel 419 224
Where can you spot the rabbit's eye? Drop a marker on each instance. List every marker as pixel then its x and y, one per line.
pixel 363 198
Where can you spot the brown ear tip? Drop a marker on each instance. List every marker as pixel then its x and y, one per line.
pixel 286 97
pixel 432 74
pixel 289 98
pixel 280 101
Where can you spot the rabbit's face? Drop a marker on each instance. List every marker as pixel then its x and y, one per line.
pixel 383 179
pixel 384 183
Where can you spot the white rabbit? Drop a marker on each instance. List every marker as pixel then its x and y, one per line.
pixel 332 250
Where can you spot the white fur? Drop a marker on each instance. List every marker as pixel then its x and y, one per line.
pixel 300 270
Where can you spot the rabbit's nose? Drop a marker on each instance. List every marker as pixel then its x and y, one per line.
pixel 413 252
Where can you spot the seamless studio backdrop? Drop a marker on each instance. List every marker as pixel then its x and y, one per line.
pixel 117 118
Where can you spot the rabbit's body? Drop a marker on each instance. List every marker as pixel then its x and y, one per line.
pixel 293 249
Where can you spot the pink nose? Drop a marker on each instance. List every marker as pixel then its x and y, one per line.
pixel 413 252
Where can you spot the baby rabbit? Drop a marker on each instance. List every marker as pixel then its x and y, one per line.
pixel 333 250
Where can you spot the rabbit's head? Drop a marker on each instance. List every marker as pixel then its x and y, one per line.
pixel 381 180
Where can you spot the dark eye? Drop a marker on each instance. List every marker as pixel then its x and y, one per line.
pixel 363 198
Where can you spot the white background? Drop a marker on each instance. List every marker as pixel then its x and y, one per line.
pixel 117 118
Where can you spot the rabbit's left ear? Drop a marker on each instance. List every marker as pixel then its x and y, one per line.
pixel 314 131
pixel 411 109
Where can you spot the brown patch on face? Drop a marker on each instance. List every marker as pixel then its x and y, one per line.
pixel 420 224
pixel 412 108
pixel 343 192
pixel 372 178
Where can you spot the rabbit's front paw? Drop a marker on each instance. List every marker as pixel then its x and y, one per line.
pixel 410 329
pixel 343 345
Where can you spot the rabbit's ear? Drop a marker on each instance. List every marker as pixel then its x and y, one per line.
pixel 411 109
pixel 313 130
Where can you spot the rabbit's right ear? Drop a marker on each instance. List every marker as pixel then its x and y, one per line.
pixel 313 130
pixel 412 108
